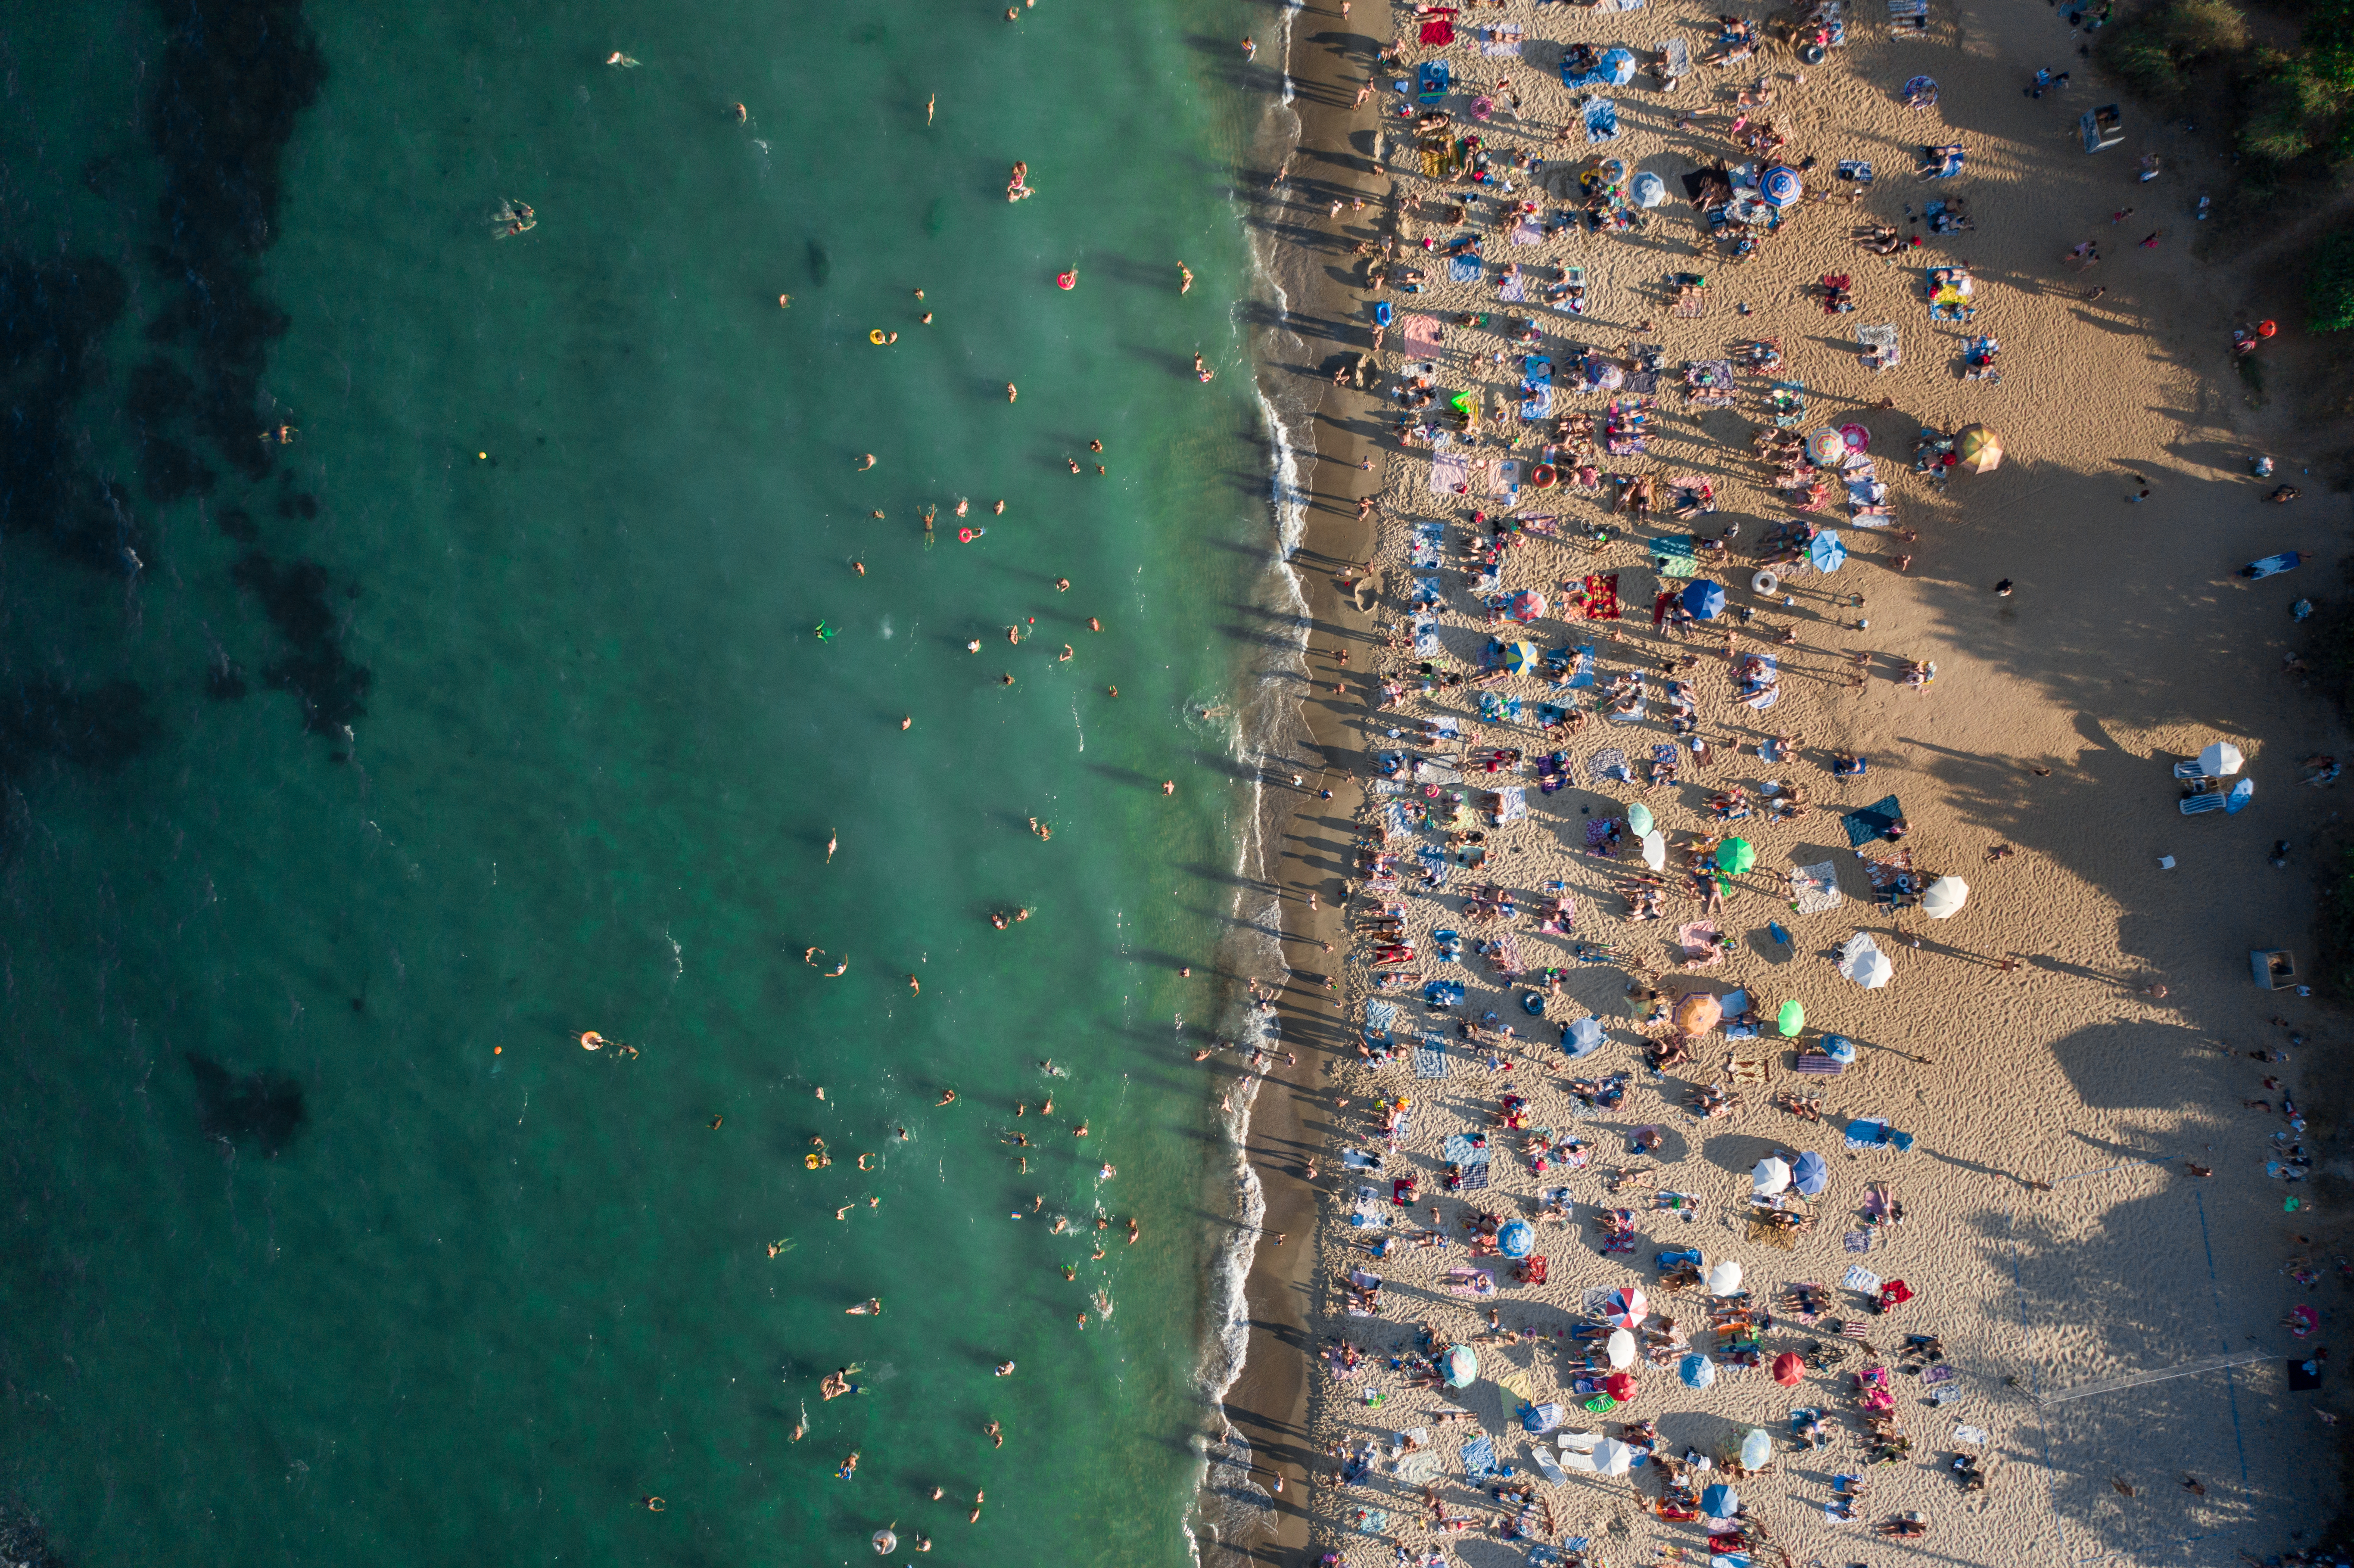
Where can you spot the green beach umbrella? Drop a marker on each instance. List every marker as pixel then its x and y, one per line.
pixel 1792 1017
pixel 1638 818
pixel 1736 856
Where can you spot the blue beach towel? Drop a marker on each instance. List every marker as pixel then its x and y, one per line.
pixel 1871 822
pixel 1872 1132
pixel 2271 565
pixel 1479 1458
pixel 1429 1063
pixel 1581 670
pixel 1601 121
pixel 1461 1151
pixel 1464 269
pixel 1672 557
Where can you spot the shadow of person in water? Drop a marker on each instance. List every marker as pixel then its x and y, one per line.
pixel 261 1108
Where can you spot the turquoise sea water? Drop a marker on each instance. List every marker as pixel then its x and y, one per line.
pixel 350 778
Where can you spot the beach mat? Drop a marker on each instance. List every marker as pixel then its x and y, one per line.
pixel 1869 823
pixel 1450 470
pixel 1815 888
pixel 1421 335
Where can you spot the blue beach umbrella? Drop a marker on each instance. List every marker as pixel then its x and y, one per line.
pixel 1810 1175
pixel 1697 1370
pixel 1582 1036
pixel 1518 1238
pixel 1719 1501
pixel 1839 1049
pixel 1705 600
pixel 1828 554
pixel 1782 185
pixel 1462 1367
pixel 2237 801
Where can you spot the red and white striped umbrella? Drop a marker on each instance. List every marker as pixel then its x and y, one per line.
pixel 1626 1309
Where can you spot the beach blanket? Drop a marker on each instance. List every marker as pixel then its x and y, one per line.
pixel 1709 382
pixel 1465 267
pixel 2272 566
pixel 1697 940
pixel 1428 539
pixel 1461 1149
pixel 1479 1458
pixel 1857 1241
pixel 1815 888
pixel 1366 1213
pixel 1581 668
pixel 1602 596
pixel 1769 688
pixel 1421 335
pixel 1872 1132
pixel 1869 823
pixel 1501 476
pixel 1512 288
pixel 1477 1283
pixel 1893 875
pixel 1858 1277
pixel 1536 388
pixel 1381 1016
pixel 1530 230
pixel 1674 557
pixel 1426 638
pixel 1429 1062
pixel 1607 764
pixel 1789 403
pixel 1601 118
pixel 1501 42
pixel 1449 473
pixel 1427 593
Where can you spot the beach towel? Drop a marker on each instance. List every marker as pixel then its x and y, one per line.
pixel 1872 1132
pixel 1606 765
pixel 1708 383
pixel 1501 42
pixel 1696 940
pixel 1502 476
pixel 1426 638
pixel 1771 686
pixel 1465 267
pixel 1601 121
pixel 1429 1063
pixel 1381 1016
pixel 1602 596
pixel 1857 1241
pixel 1428 539
pixel 1366 1213
pixel 1858 1277
pixel 1462 1150
pixel 1428 593
pixel 1856 169
pixel 1815 888
pixel 1449 473
pixel 1581 668
pixel 1789 403
pixel 2272 566
pixel 1530 230
pixel 1479 1458
pixel 1869 823
pixel 1672 557
pixel 1421 335
pixel 1472 1177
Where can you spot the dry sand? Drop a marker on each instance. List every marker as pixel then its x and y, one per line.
pixel 2056 1232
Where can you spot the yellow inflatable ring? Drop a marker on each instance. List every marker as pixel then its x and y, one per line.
pixel 875 336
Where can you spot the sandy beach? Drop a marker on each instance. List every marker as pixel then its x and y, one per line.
pixel 2105 1220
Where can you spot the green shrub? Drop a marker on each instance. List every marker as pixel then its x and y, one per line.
pixel 2329 285
pixel 2197 29
pixel 2142 62
pixel 2291 110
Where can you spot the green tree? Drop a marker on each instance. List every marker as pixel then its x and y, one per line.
pixel 2330 286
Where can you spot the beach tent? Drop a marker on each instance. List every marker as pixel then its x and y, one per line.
pixel 1791 1018
pixel 1734 856
pixel 1625 1307
pixel 1696 1370
pixel 1655 849
pixel 1725 1279
pixel 2220 759
pixel 1810 1175
pixel 1770 1176
pixel 1942 899
pixel 1755 1449
pixel 1861 962
pixel 1979 449
pixel 1638 818
pixel 1520 657
pixel 1612 1457
pixel 1704 599
pixel 1719 1501
pixel 1827 552
pixel 1462 1367
pixel 1788 1369
pixel 1582 1036
pixel 1526 606
pixel 1517 1238
pixel 1699 1012
pixel 1621 1349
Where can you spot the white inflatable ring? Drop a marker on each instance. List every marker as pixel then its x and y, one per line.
pixel 1765 582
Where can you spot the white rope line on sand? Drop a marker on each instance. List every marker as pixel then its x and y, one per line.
pixel 2188 1368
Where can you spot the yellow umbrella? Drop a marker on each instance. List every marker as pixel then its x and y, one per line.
pixel 1979 449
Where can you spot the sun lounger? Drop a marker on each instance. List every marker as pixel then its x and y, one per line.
pixel 2196 805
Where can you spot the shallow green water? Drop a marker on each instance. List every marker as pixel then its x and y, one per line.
pixel 582 497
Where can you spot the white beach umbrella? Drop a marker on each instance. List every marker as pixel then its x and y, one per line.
pixel 1861 962
pixel 1621 1346
pixel 1725 1279
pixel 1942 899
pixel 1612 1457
pixel 1771 1176
pixel 1755 1449
pixel 1655 849
pixel 2220 759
